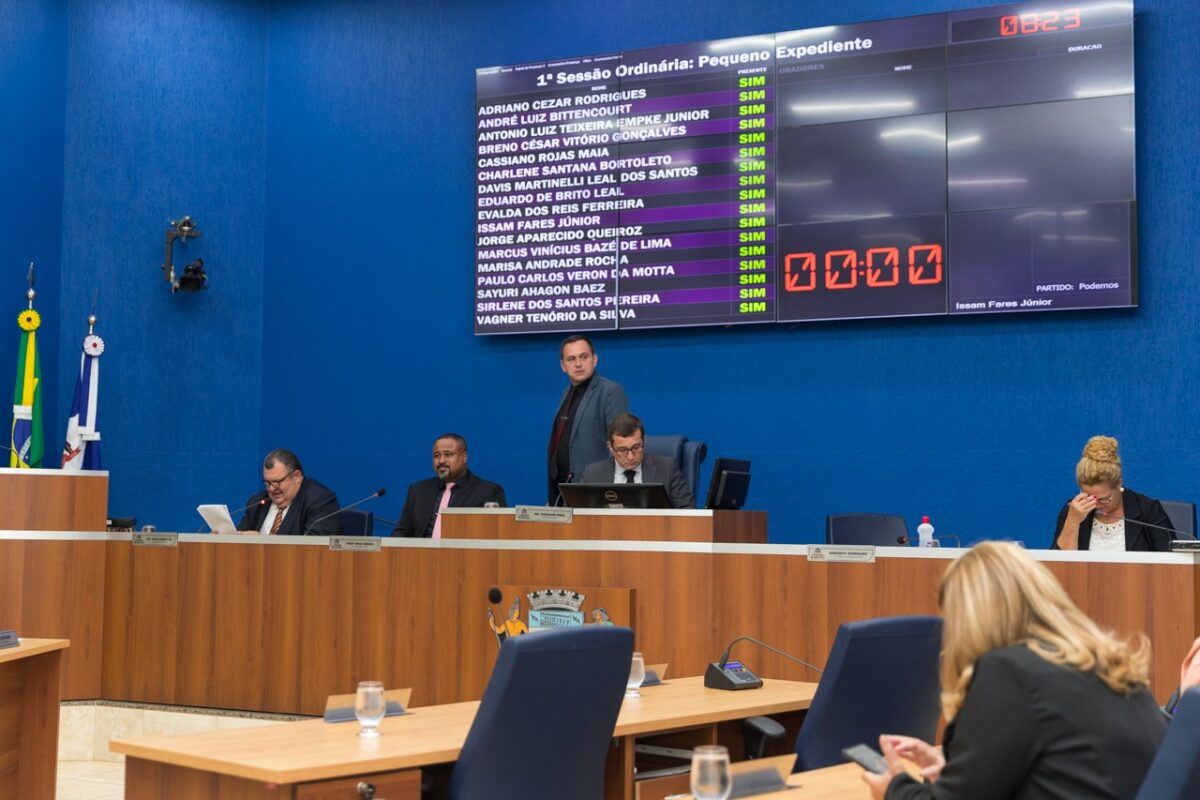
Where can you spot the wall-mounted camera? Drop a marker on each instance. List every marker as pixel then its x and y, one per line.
pixel 193 278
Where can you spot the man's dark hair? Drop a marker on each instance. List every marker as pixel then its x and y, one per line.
pixel 572 339
pixel 625 425
pixel 287 458
pixel 455 437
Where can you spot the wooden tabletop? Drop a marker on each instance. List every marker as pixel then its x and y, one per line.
pixel 843 782
pixel 296 752
pixel 32 647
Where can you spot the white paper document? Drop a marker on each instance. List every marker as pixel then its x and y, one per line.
pixel 217 518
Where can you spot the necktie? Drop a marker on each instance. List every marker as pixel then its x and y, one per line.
pixel 278 521
pixel 437 524
pixel 630 474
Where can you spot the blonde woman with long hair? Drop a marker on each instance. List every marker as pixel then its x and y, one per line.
pixel 1041 702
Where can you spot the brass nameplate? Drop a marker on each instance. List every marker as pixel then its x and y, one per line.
pixel 846 553
pixel 355 544
pixel 144 539
pixel 544 514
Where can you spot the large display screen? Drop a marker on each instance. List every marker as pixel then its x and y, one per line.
pixel 979 161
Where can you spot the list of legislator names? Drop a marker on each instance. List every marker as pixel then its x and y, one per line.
pixel 633 189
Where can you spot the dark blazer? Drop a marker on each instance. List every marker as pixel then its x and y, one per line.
pixel 1138 507
pixel 1032 730
pixel 655 469
pixel 421 504
pixel 601 402
pixel 312 502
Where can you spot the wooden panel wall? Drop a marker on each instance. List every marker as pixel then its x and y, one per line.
pixel 57 501
pixel 278 627
pixel 54 589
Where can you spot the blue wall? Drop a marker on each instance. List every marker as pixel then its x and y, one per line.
pixel 166 116
pixel 32 89
pixel 332 174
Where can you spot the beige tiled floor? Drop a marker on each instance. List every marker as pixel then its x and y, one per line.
pixel 90 780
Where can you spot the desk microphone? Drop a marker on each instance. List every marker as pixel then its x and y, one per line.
pixel 721 676
pixel 1184 535
pixel 355 504
pixel 262 501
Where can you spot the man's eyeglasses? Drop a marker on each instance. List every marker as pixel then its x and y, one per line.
pixel 625 451
pixel 275 484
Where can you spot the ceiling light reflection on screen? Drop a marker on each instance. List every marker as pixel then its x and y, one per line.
pixel 828 108
pixel 987 181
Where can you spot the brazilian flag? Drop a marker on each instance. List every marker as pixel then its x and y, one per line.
pixel 28 445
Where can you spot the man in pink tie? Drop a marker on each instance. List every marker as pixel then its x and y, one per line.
pixel 454 486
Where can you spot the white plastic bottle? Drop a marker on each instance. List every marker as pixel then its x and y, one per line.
pixel 925 533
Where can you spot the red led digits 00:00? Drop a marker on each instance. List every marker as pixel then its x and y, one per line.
pixel 1045 22
pixel 880 268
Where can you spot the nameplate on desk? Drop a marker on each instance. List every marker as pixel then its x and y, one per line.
pixel 355 544
pixel 1185 546
pixel 544 514
pixel 8 639
pixel 147 539
pixel 846 553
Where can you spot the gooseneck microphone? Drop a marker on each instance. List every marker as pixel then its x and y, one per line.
pixel 1184 535
pixel 720 675
pixel 377 493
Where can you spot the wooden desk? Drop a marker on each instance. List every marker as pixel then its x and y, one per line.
pixel 242 764
pixel 843 782
pixel 604 524
pixel 29 675
pixel 53 500
pixel 202 623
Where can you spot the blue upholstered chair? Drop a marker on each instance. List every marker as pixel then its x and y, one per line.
pixel 1175 773
pixel 1183 516
pixel 356 522
pixel 546 721
pixel 883 530
pixel 882 677
pixel 689 455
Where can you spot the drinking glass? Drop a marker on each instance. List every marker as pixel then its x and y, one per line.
pixel 710 773
pixel 369 707
pixel 637 674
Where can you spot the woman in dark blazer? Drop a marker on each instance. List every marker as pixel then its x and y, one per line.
pixel 1041 702
pixel 1105 515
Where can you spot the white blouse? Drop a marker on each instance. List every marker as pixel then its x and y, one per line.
pixel 1108 536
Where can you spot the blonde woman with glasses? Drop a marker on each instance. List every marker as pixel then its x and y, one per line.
pixel 1105 515
pixel 1041 702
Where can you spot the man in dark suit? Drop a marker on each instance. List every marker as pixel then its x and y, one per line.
pixel 630 463
pixel 293 503
pixel 587 406
pixel 455 486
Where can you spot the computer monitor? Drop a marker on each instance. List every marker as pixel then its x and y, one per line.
pixel 729 485
pixel 614 495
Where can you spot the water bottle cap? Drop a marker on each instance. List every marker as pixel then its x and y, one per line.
pixel 924 520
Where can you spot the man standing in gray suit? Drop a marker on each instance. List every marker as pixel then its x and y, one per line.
pixel 630 463
pixel 588 405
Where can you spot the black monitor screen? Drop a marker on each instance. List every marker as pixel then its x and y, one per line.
pixel 729 484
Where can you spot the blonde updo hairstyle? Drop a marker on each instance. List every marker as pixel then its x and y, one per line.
pixel 1100 463
pixel 995 596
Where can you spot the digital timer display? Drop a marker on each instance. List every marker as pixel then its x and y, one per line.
pixel 976 161
pixel 1066 19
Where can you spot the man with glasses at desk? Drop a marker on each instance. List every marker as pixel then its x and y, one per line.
pixel 292 503
pixel 630 463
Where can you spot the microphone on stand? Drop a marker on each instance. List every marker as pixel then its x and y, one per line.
pixel 1181 535
pixel 720 675
pixel 377 493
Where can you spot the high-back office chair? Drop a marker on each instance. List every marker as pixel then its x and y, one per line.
pixel 356 522
pixel 1175 772
pixel 556 694
pixel 689 455
pixel 882 677
pixel 884 530
pixel 1183 516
